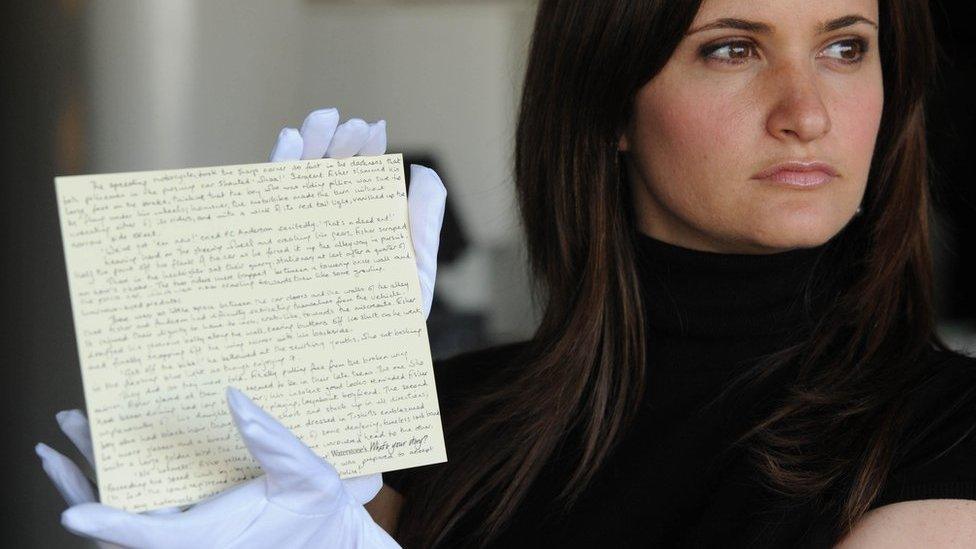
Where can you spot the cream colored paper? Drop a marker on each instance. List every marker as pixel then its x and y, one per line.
pixel 292 281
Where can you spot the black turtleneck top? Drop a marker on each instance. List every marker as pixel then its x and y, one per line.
pixel 668 483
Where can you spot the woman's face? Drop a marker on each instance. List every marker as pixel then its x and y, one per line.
pixel 719 112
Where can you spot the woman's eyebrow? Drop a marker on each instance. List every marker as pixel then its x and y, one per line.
pixel 765 28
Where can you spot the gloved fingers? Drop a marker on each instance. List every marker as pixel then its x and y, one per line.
pixel 288 146
pixel 110 525
pixel 364 487
pixel 224 515
pixel 426 200
pixel 317 131
pixel 208 524
pixel 297 478
pixel 376 142
pixel 74 425
pixel 349 139
pixel 66 476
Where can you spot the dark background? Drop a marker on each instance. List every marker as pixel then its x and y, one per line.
pixel 43 127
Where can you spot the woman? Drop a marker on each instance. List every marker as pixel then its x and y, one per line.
pixel 730 354
pixel 678 269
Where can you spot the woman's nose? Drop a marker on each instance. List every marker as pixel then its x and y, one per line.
pixel 797 105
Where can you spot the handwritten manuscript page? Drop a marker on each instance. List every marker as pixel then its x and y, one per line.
pixel 292 281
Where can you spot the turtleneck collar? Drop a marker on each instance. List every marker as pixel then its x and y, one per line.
pixel 707 294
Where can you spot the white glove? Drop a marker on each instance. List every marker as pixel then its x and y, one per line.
pixel 299 501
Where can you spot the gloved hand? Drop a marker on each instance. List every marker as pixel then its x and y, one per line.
pixel 299 501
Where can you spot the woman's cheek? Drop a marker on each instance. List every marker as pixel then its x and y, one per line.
pixel 865 124
pixel 701 115
pixel 690 150
pixel 856 119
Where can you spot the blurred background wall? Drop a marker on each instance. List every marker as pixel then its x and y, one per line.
pixel 123 85
pixel 127 85
pixel 189 83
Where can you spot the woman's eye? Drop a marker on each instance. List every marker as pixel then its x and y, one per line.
pixel 851 51
pixel 732 52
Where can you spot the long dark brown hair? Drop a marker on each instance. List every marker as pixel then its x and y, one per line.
pixel 581 375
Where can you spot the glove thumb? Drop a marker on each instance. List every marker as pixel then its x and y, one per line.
pixel 297 478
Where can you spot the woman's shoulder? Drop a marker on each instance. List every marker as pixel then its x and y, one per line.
pixel 945 395
pixel 936 453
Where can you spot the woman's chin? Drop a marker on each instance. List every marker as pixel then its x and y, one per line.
pixel 796 233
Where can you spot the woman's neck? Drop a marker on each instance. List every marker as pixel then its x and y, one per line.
pixel 710 294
